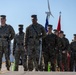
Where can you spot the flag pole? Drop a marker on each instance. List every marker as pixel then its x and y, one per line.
pixel 60 12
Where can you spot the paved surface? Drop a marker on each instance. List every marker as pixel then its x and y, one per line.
pixel 38 73
pixel 4 67
pixel 21 72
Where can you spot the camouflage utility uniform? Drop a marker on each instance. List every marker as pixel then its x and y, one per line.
pixel 33 34
pixel 64 50
pixel 49 45
pixel 18 50
pixel 6 34
pixel 73 54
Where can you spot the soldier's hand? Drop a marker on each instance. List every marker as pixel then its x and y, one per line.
pixel 68 55
pixel 63 51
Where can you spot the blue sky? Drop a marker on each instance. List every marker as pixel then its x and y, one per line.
pixel 19 12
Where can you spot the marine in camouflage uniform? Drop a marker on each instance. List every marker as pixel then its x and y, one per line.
pixel 64 50
pixel 58 50
pixel 32 43
pixel 73 54
pixel 6 34
pixel 18 49
pixel 49 45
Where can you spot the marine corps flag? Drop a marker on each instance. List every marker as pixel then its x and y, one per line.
pixel 59 23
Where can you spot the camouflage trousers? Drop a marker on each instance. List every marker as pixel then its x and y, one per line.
pixel 34 63
pixel 49 58
pixel 73 61
pixel 21 54
pixel 4 50
pixel 63 64
pixel 33 59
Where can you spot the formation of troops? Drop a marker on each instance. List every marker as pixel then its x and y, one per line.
pixel 36 47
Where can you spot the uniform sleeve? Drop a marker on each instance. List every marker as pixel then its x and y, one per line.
pixel 26 37
pixel 43 45
pixel 12 32
pixel 14 43
pixel 69 48
pixel 67 43
pixel 43 32
pixel 59 45
pixel 56 41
